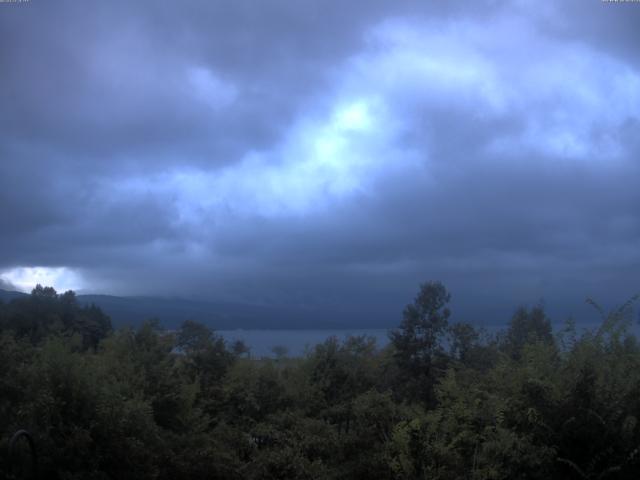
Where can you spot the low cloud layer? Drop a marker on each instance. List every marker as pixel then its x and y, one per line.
pixel 324 154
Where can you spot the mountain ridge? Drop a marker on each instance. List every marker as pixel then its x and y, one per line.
pixel 171 312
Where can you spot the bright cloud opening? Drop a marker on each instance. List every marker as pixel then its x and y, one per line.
pixel 320 161
pixel 26 278
pixel 354 116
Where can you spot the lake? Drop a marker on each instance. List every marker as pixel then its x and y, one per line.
pixel 261 342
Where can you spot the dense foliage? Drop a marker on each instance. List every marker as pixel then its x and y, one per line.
pixel 442 401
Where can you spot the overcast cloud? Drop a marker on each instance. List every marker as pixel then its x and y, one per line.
pixel 329 154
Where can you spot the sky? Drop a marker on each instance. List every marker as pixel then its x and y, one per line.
pixel 329 154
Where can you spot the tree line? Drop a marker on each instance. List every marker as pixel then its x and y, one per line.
pixel 442 400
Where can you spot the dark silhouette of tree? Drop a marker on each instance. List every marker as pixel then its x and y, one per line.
pixel 527 327
pixel 45 312
pixel 206 358
pixel 240 348
pixel 418 342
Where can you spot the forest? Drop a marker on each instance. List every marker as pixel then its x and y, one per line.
pixel 443 400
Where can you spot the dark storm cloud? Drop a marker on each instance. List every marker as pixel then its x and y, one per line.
pixel 323 153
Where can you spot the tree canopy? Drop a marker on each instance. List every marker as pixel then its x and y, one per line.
pixel 442 400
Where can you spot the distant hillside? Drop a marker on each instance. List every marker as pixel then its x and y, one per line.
pixel 231 316
pixel 218 315
pixel 7 296
pixel 221 316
